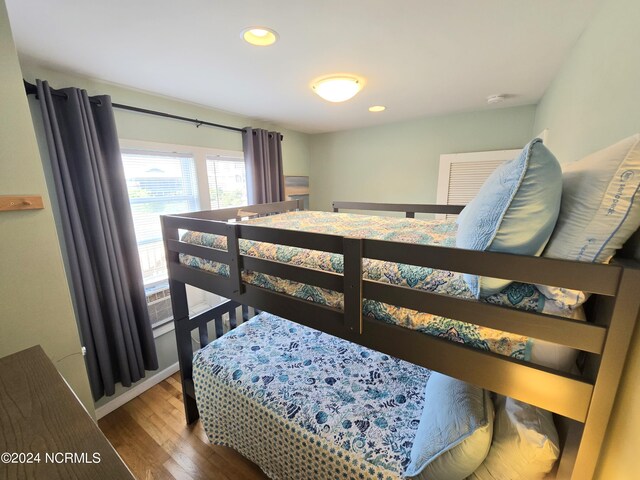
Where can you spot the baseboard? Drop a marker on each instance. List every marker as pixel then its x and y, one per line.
pixel 133 392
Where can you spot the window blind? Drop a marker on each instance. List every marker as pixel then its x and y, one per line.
pixel 158 183
pixel 227 181
pixel 466 178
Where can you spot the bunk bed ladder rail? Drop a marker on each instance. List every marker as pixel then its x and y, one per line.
pixel 184 323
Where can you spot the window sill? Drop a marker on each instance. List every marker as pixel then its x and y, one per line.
pixel 165 326
pixel 162 328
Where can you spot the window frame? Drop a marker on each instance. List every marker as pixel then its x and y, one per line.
pixel 198 299
pixel 199 157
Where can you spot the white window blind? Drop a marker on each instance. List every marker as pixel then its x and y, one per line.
pixel 466 178
pixel 158 183
pixel 227 181
pixel 462 174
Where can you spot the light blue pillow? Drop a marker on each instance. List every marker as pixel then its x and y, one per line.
pixel 455 430
pixel 515 211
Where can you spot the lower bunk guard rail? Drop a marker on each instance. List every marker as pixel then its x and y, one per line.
pixel 586 399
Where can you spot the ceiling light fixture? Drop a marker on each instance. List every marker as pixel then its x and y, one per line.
pixel 377 108
pixel 337 88
pixel 493 99
pixel 260 36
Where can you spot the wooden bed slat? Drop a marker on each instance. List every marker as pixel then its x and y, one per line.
pixel 208 315
pixel 194 224
pixel 218 325
pixel 408 208
pixel 318 278
pixel 589 277
pixel 225 214
pixel 200 251
pixel 539 386
pixel 571 333
pixel 314 315
pixel 293 238
pixel 204 335
pixel 201 279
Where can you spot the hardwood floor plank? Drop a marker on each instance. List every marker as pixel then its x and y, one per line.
pixel 138 450
pixel 153 439
pixel 174 420
pixel 176 470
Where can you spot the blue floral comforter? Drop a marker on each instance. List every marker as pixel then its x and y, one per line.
pixel 434 232
pixel 303 404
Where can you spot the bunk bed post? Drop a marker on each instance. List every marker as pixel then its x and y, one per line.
pixel 623 312
pixel 180 309
pixel 235 261
pixel 352 255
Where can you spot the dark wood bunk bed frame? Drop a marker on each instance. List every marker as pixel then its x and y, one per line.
pixel 582 404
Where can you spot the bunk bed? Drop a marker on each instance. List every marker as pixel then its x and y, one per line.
pixel 582 402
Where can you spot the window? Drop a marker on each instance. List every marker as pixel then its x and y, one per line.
pixel 166 179
pixel 158 184
pixel 227 182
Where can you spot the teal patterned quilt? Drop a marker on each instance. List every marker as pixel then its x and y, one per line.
pixel 433 232
pixel 305 405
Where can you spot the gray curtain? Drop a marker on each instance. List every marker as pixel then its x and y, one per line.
pixel 263 159
pixel 99 237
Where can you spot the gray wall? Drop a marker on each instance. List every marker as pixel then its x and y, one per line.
pixel 593 102
pixel 35 305
pixel 399 162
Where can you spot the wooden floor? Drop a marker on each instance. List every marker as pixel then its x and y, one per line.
pixel 152 438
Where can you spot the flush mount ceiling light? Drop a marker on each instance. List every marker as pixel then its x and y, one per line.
pixel 377 108
pixel 259 36
pixel 497 98
pixel 337 88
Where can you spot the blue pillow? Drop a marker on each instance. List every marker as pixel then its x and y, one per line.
pixel 455 430
pixel 515 211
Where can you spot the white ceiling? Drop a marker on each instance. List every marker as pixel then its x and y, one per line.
pixel 419 57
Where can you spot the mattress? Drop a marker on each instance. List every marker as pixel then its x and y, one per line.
pixel 306 405
pixel 425 232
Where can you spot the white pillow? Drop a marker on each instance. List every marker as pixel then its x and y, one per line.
pixel 525 443
pixel 600 210
pixel 553 355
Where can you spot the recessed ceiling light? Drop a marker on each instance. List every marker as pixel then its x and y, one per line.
pixel 260 36
pixel 337 88
pixel 377 108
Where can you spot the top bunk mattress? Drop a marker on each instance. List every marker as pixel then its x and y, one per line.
pixel 425 232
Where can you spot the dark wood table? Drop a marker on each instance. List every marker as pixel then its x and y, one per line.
pixel 45 432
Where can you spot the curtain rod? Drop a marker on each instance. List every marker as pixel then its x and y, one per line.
pixel 32 89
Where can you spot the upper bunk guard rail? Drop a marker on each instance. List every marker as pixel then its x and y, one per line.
pixel 410 209
pixel 248 211
pixel 587 399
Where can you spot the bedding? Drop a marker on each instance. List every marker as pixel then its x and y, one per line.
pixel 599 212
pixel 525 443
pixel 455 430
pixel 306 405
pixel 426 232
pixel 514 211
